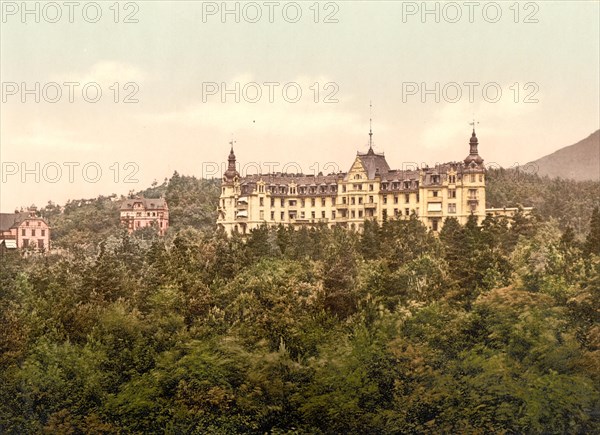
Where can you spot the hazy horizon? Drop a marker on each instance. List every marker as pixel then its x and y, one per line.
pixel 172 58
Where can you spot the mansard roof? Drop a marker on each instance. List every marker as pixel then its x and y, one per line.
pixel 285 179
pixel 147 203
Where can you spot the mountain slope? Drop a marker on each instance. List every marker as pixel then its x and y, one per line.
pixel 580 161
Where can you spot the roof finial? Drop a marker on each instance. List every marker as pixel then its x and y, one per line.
pixel 231 142
pixel 473 123
pixel 370 126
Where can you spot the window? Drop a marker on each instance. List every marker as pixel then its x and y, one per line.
pixel 370 187
pixel 40 224
pixel 451 193
pixel 480 177
pixel 262 214
pixel 282 202
pixel 472 193
pixel 312 214
pixel 272 202
pixel 344 189
pixel 312 202
pixel 25 243
pixel 452 208
pixel 282 215
pixel 385 199
pixel 272 215
pixel 360 200
pixel 395 199
pixel 384 214
pixel 27 223
pixel 344 200
pixel 384 186
pixel 352 214
pixel 302 203
pixel 360 213
pixel 434 225
pixel 302 215
pixel 353 200
pixel 452 179
pixel 407 198
pixel 407 211
pixel 292 203
pixel 43 233
pixel 472 178
pixel 435 193
pixel 434 206
pixel 262 202
pixel 396 212
pixel 23 232
pixel 417 197
pixel 33 232
pixel 333 215
pixel 371 199
pixel 323 214
pixel 323 202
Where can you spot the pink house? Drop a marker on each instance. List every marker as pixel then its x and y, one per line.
pixel 139 213
pixel 24 230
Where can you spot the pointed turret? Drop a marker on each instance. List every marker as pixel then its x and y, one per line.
pixel 231 171
pixel 473 152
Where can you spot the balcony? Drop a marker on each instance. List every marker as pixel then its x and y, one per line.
pixel 370 204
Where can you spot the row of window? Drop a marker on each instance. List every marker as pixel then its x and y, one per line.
pixel 359 200
pixel 39 223
pixel 149 213
pixel 33 232
pixel 31 243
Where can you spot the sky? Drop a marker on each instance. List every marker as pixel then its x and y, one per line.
pixel 103 97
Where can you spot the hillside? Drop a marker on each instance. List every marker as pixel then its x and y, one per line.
pixel 580 161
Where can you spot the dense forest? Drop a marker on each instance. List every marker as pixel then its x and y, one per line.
pixel 482 329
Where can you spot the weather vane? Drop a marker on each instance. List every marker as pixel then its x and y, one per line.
pixel 473 123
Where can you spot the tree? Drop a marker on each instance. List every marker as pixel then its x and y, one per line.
pixel 592 242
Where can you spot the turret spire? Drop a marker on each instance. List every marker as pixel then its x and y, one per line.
pixel 231 167
pixel 473 145
pixel 370 128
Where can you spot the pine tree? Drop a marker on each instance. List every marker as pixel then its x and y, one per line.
pixel 592 242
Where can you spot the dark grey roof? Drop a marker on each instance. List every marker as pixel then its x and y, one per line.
pixel 374 164
pixel 148 203
pixel 299 179
pixel 9 220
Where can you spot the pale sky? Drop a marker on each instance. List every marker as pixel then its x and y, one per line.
pixel 384 52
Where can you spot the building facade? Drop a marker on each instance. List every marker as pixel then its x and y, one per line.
pixel 24 230
pixel 140 212
pixel 369 190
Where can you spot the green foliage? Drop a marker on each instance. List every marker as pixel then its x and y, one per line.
pixel 484 329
